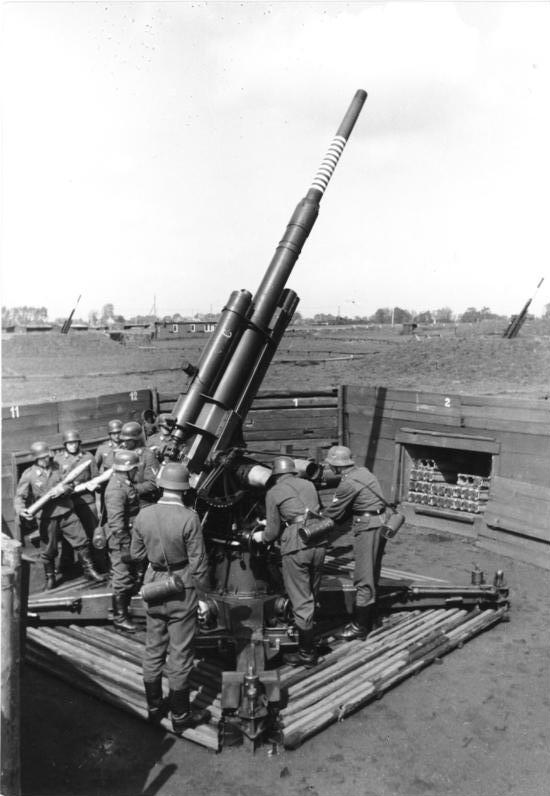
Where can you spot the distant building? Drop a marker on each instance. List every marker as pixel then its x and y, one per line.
pixel 169 329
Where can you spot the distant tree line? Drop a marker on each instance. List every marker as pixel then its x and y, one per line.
pixel 24 316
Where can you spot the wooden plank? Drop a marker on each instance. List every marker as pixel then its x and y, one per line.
pixel 532 444
pixel 16 412
pixel 368 394
pixel 505 401
pixel 533 469
pixel 511 415
pixel 430 438
pixel 509 537
pixel 498 424
pixel 538 558
pixel 320 426
pixel 523 523
pixel 508 487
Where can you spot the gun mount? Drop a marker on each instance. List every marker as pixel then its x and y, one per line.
pixel 247 606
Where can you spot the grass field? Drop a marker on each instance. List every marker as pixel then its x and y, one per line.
pixel 460 359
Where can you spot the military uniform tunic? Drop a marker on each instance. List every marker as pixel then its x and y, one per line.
pixel 170 533
pixel 121 508
pixel 359 497
pixel 104 455
pixel 84 502
pixel 145 481
pixel 285 504
pixel 57 518
pixel 157 443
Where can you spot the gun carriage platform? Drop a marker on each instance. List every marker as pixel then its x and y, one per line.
pixel 424 618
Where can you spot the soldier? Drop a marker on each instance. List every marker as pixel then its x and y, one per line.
pixel 84 503
pixel 57 519
pixel 131 438
pixel 105 452
pixel 286 505
pixel 359 496
pixel 169 535
pixel 121 507
pixel 158 442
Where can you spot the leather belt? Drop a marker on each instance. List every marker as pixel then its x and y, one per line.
pixel 173 567
pixel 294 520
pixel 376 513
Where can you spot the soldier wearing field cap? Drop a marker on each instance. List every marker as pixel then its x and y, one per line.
pixel 169 535
pixel 131 438
pixel 57 519
pixel 286 503
pixel 121 507
pixel 105 452
pixel 158 442
pixel 359 497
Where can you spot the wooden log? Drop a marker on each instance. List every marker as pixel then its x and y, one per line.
pixel 310 723
pixel 205 735
pixel 366 665
pixel 10 780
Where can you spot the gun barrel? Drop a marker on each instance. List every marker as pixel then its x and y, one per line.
pixel 234 391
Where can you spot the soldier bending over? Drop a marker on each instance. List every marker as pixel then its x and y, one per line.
pixel 286 503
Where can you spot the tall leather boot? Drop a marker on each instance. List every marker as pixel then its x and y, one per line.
pixel 306 654
pixel 121 619
pixel 153 694
pixel 183 718
pixel 85 558
pixel 361 625
pixel 49 571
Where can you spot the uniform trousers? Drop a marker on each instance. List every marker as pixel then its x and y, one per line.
pixel 169 639
pixel 122 572
pixel 52 529
pixel 87 514
pixel 368 545
pixel 302 579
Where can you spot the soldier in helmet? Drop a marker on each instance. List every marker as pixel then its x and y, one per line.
pixel 57 519
pixel 286 504
pixel 105 452
pixel 359 497
pixel 158 442
pixel 131 438
pixel 72 455
pixel 121 507
pixel 169 535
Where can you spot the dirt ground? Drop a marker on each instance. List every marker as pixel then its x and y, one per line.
pixel 455 359
pixel 478 724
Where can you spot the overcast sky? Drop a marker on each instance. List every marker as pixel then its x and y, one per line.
pixel 155 152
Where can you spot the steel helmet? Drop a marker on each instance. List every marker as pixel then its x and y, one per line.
pixel 115 426
pixel 131 430
pixel 71 436
pixel 174 476
pixel 40 450
pixel 165 421
pixel 283 464
pixel 339 456
pixel 123 461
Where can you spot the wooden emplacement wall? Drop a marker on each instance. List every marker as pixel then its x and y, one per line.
pixel 379 423
pixel 297 422
pixel 26 423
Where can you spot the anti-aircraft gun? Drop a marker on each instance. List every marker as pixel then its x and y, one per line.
pixel 247 606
